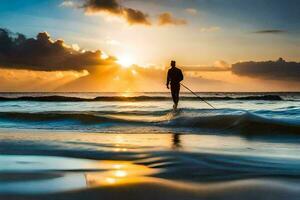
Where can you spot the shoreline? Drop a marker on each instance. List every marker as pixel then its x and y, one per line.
pixel 39 164
pixel 122 179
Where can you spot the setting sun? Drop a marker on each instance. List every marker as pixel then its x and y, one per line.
pixel 125 60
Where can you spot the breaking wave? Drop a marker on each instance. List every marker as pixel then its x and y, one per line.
pixel 184 119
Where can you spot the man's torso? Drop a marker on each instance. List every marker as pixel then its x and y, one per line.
pixel 175 75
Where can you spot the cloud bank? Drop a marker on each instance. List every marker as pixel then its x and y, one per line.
pixel 272 70
pixel 44 54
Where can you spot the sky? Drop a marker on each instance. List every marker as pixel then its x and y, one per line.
pixel 127 45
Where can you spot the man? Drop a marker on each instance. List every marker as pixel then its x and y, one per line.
pixel 174 78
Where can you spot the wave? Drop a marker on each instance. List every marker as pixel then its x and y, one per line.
pixel 135 98
pixel 234 122
pixel 247 123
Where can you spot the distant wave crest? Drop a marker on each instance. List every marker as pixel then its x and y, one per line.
pixel 136 98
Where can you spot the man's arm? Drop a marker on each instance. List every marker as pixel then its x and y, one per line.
pixel 168 79
pixel 181 76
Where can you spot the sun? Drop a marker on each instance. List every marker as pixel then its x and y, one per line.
pixel 125 60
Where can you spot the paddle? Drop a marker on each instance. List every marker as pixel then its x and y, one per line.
pixel 197 96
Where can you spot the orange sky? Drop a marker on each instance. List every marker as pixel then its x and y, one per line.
pixel 65 45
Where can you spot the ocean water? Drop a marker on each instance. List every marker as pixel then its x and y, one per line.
pixel 86 145
pixel 260 113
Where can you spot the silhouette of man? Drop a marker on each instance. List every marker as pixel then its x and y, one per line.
pixel 174 78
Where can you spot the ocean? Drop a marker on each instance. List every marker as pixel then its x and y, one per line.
pixel 75 145
pixel 256 113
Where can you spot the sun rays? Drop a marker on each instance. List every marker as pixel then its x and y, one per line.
pixel 126 60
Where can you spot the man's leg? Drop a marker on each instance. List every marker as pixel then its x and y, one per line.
pixel 175 94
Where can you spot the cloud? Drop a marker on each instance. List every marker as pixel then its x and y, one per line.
pixel 271 70
pixel 191 11
pixel 22 80
pixel 136 17
pixel 222 64
pixel 68 3
pixel 44 54
pixel 168 19
pixel 270 31
pixel 113 7
pixel 218 66
pixel 132 16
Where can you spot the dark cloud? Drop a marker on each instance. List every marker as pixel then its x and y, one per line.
pixel 132 16
pixel 272 70
pixel 43 54
pixel 168 19
pixel 114 7
pixel 102 5
pixel 270 31
pixel 136 17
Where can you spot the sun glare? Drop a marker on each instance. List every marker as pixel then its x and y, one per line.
pixel 126 61
pixel 104 56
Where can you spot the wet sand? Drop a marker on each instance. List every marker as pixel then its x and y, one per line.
pixel 65 165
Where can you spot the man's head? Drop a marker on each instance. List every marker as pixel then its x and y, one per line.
pixel 173 63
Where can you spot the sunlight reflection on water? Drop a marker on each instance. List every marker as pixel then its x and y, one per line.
pixel 48 174
pixel 119 172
